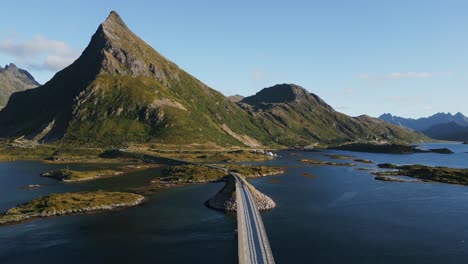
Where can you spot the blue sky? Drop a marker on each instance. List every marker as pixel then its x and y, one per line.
pixel 409 58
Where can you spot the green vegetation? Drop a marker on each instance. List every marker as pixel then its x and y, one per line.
pixel 340 157
pixel 58 153
pixel 343 157
pixel 427 173
pixel 40 152
pixel 125 92
pixel 191 174
pixel 387 148
pixel 77 176
pixel 70 203
pixel 364 161
pixel 441 151
pixel 293 116
pixel 388 178
pixel 253 171
pixel 14 79
pixel 378 148
pixel 326 163
pixel 212 156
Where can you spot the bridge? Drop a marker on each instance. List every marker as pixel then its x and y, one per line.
pixel 253 243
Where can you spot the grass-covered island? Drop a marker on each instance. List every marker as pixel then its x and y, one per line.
pixel 249 171
pixel 188 174
pixel 426 173
pixel 203 174
pixel 388 148
pixel 344 157
pixel 191 174
pixel 70 203
pixel 326 163
pixel 212 155
pixel 66 175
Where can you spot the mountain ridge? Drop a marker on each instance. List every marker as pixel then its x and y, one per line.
pixel 121 90
pixel 424 123
pixel 14 79
pixel 448 131
pixel 291 114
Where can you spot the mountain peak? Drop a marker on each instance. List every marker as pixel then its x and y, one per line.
pixel 285 94
pixel 14 79
pixel 116 50
pixel 113 15
pixel 10 66
pixel 279 93
pixel 114 20
pixel 385 115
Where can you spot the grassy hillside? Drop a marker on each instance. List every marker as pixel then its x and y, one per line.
pixel 291 115
pixel 121 91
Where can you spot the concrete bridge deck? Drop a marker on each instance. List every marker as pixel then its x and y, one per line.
pixel 253 243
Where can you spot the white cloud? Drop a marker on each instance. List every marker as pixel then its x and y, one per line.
pixel 258 75
pixel 40 53
pixel 364 76
pixel 411 75
pixel 349 90
pixel 397 76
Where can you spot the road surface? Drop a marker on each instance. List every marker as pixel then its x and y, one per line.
pixel 254 246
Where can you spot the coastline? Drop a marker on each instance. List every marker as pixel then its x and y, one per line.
pixel 9 218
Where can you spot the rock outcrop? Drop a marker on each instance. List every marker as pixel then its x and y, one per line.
pixel 293 116
pixel 12 80
pixel 70 203
pixel 121 90
pixel 226 198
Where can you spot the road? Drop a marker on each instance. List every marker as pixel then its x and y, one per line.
pixel 253 243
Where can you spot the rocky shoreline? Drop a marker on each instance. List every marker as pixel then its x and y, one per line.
pixel 13 215
pixel 425 173
pixel 70 176
pixel 225 199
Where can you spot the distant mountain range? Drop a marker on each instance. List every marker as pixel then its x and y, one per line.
pixel 439 126
pixel 14 79
pixel 121 90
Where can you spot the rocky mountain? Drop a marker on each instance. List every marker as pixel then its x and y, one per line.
pixel 14 79
pixel 121 90
pixel 425 123
pixel 235 98
pixel 448 131
pixel 292 115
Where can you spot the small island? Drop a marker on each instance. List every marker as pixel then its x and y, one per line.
pixel 388 148
pixel 366 161
pixel 191 174
pixel 184 174
pixel 66 175
pixel 344 157
pixel 213 156
pixel 326 163
pixel 249 171
pixel 180 175
pixel 425 173
pixel 70 203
